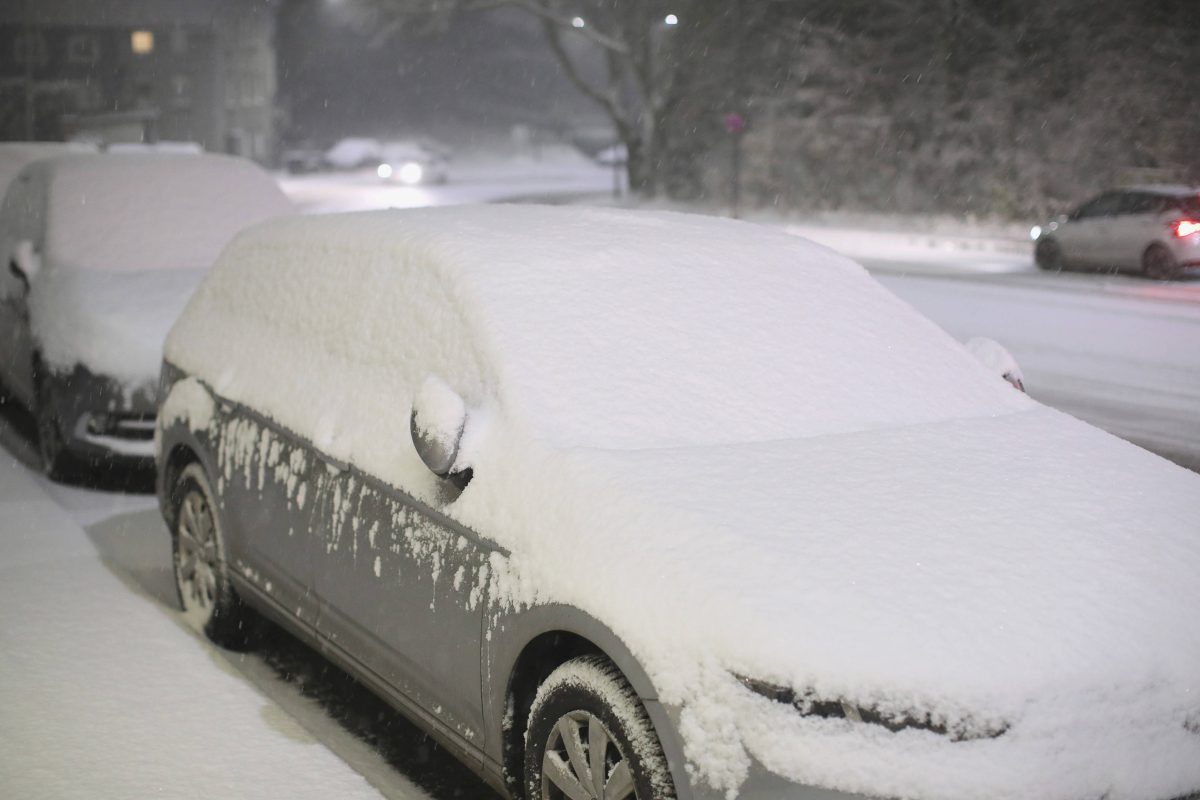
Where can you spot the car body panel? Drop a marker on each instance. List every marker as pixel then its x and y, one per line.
pixel 403 591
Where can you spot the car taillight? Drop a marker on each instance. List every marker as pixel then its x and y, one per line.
pixel 1185 227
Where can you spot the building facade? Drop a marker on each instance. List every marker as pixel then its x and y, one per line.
pixel 140 70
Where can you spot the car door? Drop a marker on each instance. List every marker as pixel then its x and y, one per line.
pixel 1131 229
pixel 21 220
pixel 267 486
pixel 1084 237
pixel 402 591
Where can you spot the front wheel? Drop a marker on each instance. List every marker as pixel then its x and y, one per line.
pixel 1048 255
pixel 590 737
pixel 210 604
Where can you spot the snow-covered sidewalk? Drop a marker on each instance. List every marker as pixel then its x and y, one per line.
pixel 105 694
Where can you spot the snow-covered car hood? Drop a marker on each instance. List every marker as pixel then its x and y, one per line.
pixel 1024 572
pixel 112 323
pixel 930 557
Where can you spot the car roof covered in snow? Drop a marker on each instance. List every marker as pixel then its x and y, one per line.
pixel 148 211
pixel 14 156
pixel 600 327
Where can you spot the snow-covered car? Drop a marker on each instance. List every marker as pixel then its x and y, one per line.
pixel 354 152
pixel 102 252
pixel 649 505
pixel 1154 230
pixel 411 162
pixel 14 156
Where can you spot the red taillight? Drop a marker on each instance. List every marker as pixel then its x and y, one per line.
pixel 1186 227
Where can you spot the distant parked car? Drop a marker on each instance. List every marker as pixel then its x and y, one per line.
pixel 414 161
pixel 300 159
pixel 100 254
pixel 1154 230
pixel 354 152
pixel 646 505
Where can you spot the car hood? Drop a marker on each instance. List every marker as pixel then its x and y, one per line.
pixel 111 323
pixel 978 559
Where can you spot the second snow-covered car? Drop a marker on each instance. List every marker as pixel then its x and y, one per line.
pixel 643 505
pixel 101 252
pixel 1154 230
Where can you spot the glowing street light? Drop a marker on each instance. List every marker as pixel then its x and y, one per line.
pixel 577 22
pixel 671 19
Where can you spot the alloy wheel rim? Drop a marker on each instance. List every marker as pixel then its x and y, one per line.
pixel 197 557
pixel 584 762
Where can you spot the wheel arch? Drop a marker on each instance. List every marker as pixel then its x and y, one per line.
pixel 525 648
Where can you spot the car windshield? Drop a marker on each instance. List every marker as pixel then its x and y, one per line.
pixel 647 344
pixel 149 212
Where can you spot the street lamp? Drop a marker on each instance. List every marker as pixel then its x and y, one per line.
pixel 671 19
pixel 577 22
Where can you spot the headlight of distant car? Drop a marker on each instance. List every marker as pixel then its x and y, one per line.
pixel 1035 232
pixel 809 704
pixel 410 172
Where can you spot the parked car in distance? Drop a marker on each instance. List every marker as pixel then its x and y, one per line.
pixel 414 161
pixel 101 251
pixel 354 152
pixel 620 504
pixel 1152 230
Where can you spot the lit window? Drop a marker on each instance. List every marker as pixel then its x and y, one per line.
pixel 142 42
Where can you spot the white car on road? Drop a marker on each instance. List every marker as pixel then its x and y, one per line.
pixel 1154 230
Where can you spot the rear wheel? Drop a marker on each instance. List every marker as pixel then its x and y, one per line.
pixel 1158 263
pixel 1048 255
pixel 210 604
pixel 590 738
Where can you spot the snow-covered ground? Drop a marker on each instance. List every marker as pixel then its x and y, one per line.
pixel 106 693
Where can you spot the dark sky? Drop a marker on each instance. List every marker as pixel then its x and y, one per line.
pixel 472 82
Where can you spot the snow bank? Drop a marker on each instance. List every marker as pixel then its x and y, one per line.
pixel 104 695
pixel 742 454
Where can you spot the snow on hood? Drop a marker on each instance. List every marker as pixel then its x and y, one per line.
pixel 1025 571
pixel 112 323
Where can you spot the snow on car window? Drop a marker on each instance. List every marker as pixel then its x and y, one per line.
pixel 149 212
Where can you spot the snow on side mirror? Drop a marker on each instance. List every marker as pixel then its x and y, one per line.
pixel 996 357
pixel 25 261
pixel 439 417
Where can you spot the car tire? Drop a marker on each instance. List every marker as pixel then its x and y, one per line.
pixel 583 705
pixel 1048 255
pixel 210 604
pixel 1159 264
pixel 52 445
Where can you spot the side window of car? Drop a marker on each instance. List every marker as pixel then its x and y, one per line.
pixel 1137 203
pixel 1095 207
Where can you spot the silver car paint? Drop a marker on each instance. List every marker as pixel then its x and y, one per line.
pixel 433 646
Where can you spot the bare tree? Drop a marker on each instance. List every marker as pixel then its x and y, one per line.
pixel 622 55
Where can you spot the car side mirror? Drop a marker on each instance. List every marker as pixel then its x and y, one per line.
pixel 25 262
pixel 996 358
pixel 439 417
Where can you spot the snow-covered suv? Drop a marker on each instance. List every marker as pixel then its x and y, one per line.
pixel 1154 230
pixel 649 505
